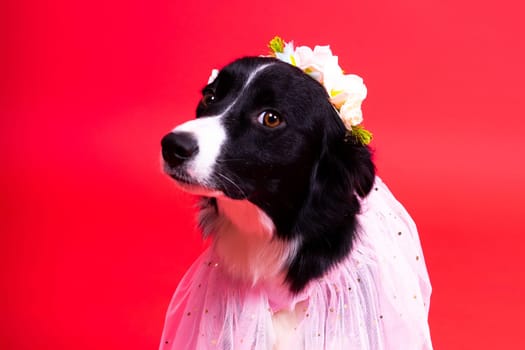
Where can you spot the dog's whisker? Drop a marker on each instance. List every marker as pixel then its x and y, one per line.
pixel 232 160
pixel 232 182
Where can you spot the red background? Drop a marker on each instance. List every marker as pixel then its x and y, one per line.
pixel 94 238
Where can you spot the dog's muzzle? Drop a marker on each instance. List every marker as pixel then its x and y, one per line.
pixel 178 147
pixel 190 153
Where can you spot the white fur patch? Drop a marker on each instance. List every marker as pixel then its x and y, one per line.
pixel 246 217
pixel 253 74
pixel 246 243
pixel 285 324
pixel 210 135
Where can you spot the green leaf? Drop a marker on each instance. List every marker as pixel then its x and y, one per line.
pixel 362 135
pixel 277 44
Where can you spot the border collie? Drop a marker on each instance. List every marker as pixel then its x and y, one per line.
pixel 307 240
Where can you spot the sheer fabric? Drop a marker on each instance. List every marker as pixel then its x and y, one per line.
pixel 378 298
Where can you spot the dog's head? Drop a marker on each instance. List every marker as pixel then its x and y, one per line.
pixel 266 132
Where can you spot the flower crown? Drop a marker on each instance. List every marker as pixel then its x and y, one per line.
pixel 346 91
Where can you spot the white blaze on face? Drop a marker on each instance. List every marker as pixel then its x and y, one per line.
pixel 210 136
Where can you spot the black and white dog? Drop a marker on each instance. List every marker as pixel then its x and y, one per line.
pixel 281 180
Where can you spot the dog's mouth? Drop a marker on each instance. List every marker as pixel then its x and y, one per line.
pixel 188 184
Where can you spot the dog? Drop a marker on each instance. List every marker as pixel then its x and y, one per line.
pixel 305 235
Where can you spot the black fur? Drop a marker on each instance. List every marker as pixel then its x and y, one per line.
pixel 307 174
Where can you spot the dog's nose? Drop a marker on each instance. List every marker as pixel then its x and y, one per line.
pixel 178 147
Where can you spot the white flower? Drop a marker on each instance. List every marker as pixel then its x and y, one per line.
pixel 351 114
pixel 347 88
pixel 288 54
pixel 319 63
pixel 213 75
pixel 346 92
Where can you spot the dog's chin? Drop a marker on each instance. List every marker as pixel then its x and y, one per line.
pixel 187 184
pixel 209 189
pixel 199 190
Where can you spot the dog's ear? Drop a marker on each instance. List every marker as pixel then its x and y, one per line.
pixel 327 223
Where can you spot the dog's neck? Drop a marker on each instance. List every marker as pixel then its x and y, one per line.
pixel 247 219
pixel 244 239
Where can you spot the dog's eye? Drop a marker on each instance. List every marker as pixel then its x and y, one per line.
pixel 208 98
pixel 269 119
